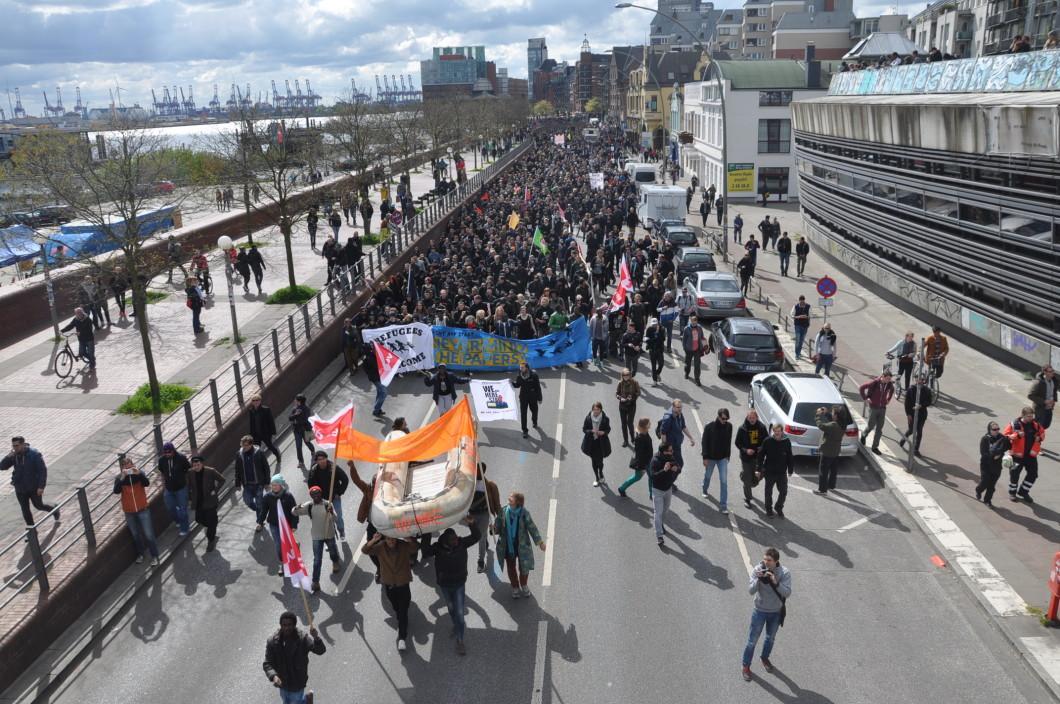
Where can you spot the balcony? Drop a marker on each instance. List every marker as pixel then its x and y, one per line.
pixel 965 36
pixel 1043 9
pixel 1015 14
pixel 994 21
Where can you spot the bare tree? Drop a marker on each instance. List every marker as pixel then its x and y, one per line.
pixel 114 192
pixel 272 154
pixel 405 130
pixel 357 131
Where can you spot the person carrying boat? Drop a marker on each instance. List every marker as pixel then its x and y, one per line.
pixel 443 387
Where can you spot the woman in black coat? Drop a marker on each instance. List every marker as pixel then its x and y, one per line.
pixel 595 442
pixel 992 449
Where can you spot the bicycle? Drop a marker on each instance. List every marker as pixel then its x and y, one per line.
pixel 64 360
pixel 933 379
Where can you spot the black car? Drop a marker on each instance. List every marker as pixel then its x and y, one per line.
pixel 51 215
pixel 657 226
pixel 688 260
pixel 679 236
pixel 746 346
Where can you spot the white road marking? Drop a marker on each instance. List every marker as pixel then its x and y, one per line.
pixel 860 522
pixel 550 549
pixel 740 543
pixel 341 587
pixel 555 458
pixel 699 423
pixel 427 416
pixel 562 389
pixel 1046 652
pixel 537 696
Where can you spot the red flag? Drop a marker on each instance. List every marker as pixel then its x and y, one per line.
pixel 485 196
pixel 478 210
pixel 625 284
pixel 293 567
pixel 562 214
pixel 388 363
pixel 279 134
pixel 526 195
pixel 326 432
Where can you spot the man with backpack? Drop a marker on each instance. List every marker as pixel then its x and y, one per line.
pixel 322 525
pixel 673 429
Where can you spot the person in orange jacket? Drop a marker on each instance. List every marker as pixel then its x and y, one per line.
pixel 132 485
pixel 1026 435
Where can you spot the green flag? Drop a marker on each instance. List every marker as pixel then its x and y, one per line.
pixel 539 241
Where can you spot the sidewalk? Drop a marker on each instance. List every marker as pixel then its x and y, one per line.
pixel 1018 539
pixel 73 423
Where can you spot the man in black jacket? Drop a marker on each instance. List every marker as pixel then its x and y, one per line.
pixel 173 467
pixel 663 471
pixel 371 370
pixel 252 475
pixel 320 475
pixel 774 459
pixel 443 388
pixel 917 399
pixel 783 246
pixel 262 426
pixel 749 438
pixel 802 250
pixel 631 348
pixel 717 448
pixel 86 339
pixel 529 385
pixel 287 658
pixel 450 568
pixel 29 477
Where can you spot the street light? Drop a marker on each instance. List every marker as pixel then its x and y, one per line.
pixel 226 245
pixel 724 129
pixel 42 239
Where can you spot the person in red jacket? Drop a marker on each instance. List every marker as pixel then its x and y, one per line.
pixel 1026 435
pixel 878 393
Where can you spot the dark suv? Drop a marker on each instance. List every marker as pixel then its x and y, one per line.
pixel 746 346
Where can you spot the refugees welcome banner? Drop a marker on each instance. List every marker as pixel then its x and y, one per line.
pixel 413 344
pixel 473 350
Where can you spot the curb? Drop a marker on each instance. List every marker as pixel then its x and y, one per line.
pixel 1004 608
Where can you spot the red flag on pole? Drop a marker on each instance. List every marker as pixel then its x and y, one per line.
pixel 293 567
pixel 388 363
pixel 526 195
pixel 326 432
pixel 625 285
pixel 562 214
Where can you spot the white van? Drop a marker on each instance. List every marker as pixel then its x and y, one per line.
pixel 591 134
pixel 641 173
pixel 656 203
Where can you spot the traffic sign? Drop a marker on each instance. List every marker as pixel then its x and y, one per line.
pixel 825 302
pixel 827 287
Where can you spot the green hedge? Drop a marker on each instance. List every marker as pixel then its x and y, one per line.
pixel 139 404
pixel 298 294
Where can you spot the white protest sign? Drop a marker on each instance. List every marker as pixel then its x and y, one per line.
pixel 494 400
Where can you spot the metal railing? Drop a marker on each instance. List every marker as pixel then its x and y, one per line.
pixel 29 559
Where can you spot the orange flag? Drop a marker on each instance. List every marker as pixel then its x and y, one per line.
pixel 427 443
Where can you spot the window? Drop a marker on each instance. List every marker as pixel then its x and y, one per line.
pixel 862 185
pixel 911 199
pixel 772 98
pixel 774 136
pixel 979 215
pixel 940 206
pixel 883 190
pixel 1035 227
pixel 773 179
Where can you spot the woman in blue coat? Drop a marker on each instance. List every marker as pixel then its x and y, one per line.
pixel 516 535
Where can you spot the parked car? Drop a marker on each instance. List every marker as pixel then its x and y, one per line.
pixel 678 236
pixel 746 345
pixel 792 399
pixel 689 260
pixel 717 294
pixel 164 186
pixel 51 215
pixel 658 225
pixel 155 188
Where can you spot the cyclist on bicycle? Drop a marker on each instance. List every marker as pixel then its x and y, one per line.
pixel 905 351
pixel 935 350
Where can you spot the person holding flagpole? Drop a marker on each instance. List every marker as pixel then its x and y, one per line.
pixel 277 508
pixel 287 658
pixel 443 387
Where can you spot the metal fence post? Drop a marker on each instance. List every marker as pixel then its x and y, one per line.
pixel 320 308
pixel 308 324
pixel 239 382
pixel 331 291
pixel 371 264
pixel 276 347
pixel 290 329
pixel 158 438
pixel 189 420
pixel 216 404
pixel 38 560
pixel 86 516
pixel 257 366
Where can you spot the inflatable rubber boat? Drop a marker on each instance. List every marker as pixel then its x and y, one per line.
pixel 412 499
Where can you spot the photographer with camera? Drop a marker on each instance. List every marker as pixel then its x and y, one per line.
pixel 832 432
pixel 770 584
pixel 663 470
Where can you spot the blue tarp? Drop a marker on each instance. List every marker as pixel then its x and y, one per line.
pixel 89 239
pixel 473 350
pixel 16 245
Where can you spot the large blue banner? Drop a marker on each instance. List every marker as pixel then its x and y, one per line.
pixel 473 350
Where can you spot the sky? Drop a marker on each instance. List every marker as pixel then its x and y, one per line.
pixel 137 45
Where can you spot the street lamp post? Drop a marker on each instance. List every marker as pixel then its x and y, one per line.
pixel 449 153
pixel 42 240
pixel 225 244
pixel 724 130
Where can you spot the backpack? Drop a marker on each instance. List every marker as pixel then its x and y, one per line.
pixel 662 427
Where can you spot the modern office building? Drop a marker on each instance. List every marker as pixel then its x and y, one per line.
pixel 940 183
pixel 758 97
pixel 536 54
pixel 453 72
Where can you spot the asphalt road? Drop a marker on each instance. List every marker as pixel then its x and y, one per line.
pixel 612 618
